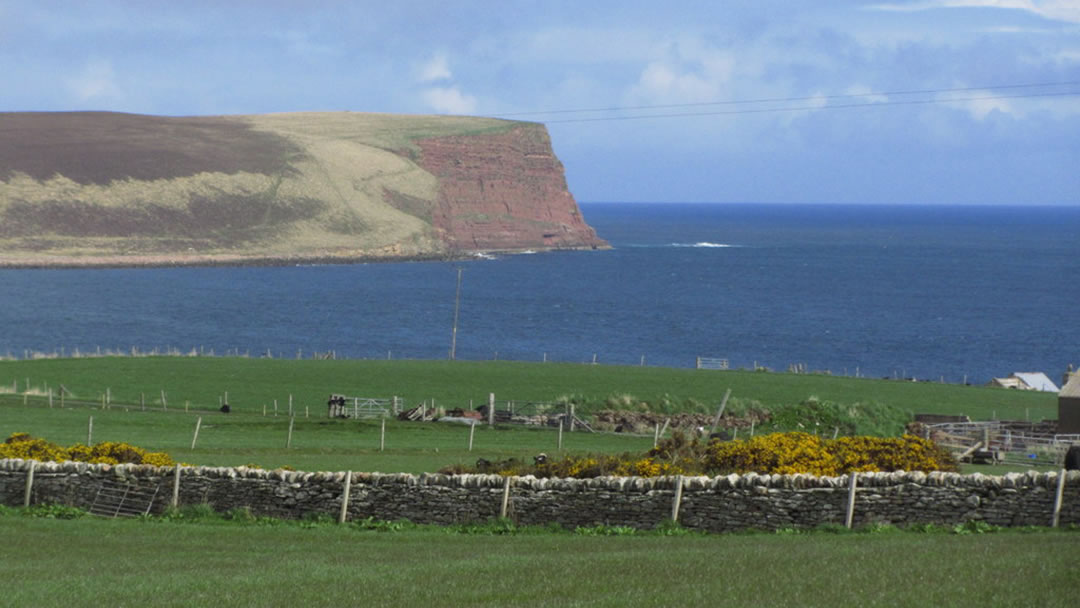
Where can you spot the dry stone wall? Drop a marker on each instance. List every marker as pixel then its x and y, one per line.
pixel 716 504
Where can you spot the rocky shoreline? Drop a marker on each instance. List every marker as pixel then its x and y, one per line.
pixel 45 262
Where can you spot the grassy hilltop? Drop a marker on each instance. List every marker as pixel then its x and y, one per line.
pixel 338 185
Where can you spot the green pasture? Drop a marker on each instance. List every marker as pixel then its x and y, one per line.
pixel 253 383
pixel 318 443
pixel 146 563
pixel 248 437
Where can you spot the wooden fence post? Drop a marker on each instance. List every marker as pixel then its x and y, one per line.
pixel 491 409
pixel 572 417
pixel 505 498
pixel 850 516
pixel 164 404
pixel 560 434
pixel 288 440
pixel 382 435
pixel 676 501
pixel 175 487
pixel 720 412
pixel 90 432
pixel 345 498
pixel 472 429
pixel 29 483
pixel 195 437
pixel 656 435
pixel 1058 498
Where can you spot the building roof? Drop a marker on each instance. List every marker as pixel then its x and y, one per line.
pixel 1037 381
pixel 1072 387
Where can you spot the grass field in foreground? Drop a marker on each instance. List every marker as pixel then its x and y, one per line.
pixel 318 444
pixel 253 383
pixel 135 563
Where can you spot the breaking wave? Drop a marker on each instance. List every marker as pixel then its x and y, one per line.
pixel 705 244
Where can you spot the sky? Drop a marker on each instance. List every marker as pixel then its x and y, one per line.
pixel 882 102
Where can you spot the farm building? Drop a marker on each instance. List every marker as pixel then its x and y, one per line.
pixel 1069 406
pixel 1027 381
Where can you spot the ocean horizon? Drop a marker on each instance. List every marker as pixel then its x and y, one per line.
pixel 935 292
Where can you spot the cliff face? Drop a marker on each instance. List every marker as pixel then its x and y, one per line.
pixel 96 188
pixel 503 191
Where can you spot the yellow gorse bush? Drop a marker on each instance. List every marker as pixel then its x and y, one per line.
pixel 806 453
pixel 775 453
pixel 597 465
pixel 22 445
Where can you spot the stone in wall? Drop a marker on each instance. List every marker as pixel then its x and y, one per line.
pixel 715 504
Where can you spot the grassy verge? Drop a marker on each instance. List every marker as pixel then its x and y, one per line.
pixel 98 562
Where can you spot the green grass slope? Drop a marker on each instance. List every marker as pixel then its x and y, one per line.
pixel 99 562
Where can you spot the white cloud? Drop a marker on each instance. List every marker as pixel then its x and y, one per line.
pixel 96 81
pixel 449 100
pixel 1058 10
pixel 692 72
pixel 981 104
pixel 865 94
pixel 436 68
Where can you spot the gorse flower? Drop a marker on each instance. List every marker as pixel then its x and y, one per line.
pixel 22 445
pixel 775 453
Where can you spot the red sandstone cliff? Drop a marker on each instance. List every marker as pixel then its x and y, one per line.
pixel 503 191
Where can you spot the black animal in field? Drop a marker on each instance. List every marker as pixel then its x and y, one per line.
pixel 1072 458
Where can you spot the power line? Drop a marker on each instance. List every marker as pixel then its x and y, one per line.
pixel 908 102
pixel 800 99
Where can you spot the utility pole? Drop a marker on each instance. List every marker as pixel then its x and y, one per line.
pixel 457 307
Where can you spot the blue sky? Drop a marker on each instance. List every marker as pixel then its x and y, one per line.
pixel 502 58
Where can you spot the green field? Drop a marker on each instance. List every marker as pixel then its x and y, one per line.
pixel 213 562
pixel 137 563
pixel 248 437
pixel 318 444
pixel 252 383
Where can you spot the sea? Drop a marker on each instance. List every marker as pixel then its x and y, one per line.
pixel 943 293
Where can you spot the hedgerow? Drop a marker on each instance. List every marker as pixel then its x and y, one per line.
pixel 22 445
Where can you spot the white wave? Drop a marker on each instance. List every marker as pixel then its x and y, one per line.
pixel 701 244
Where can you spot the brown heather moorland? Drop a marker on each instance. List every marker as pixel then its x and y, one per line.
pixel 108 189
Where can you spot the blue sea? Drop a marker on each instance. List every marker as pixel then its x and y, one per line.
pixel 929 292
